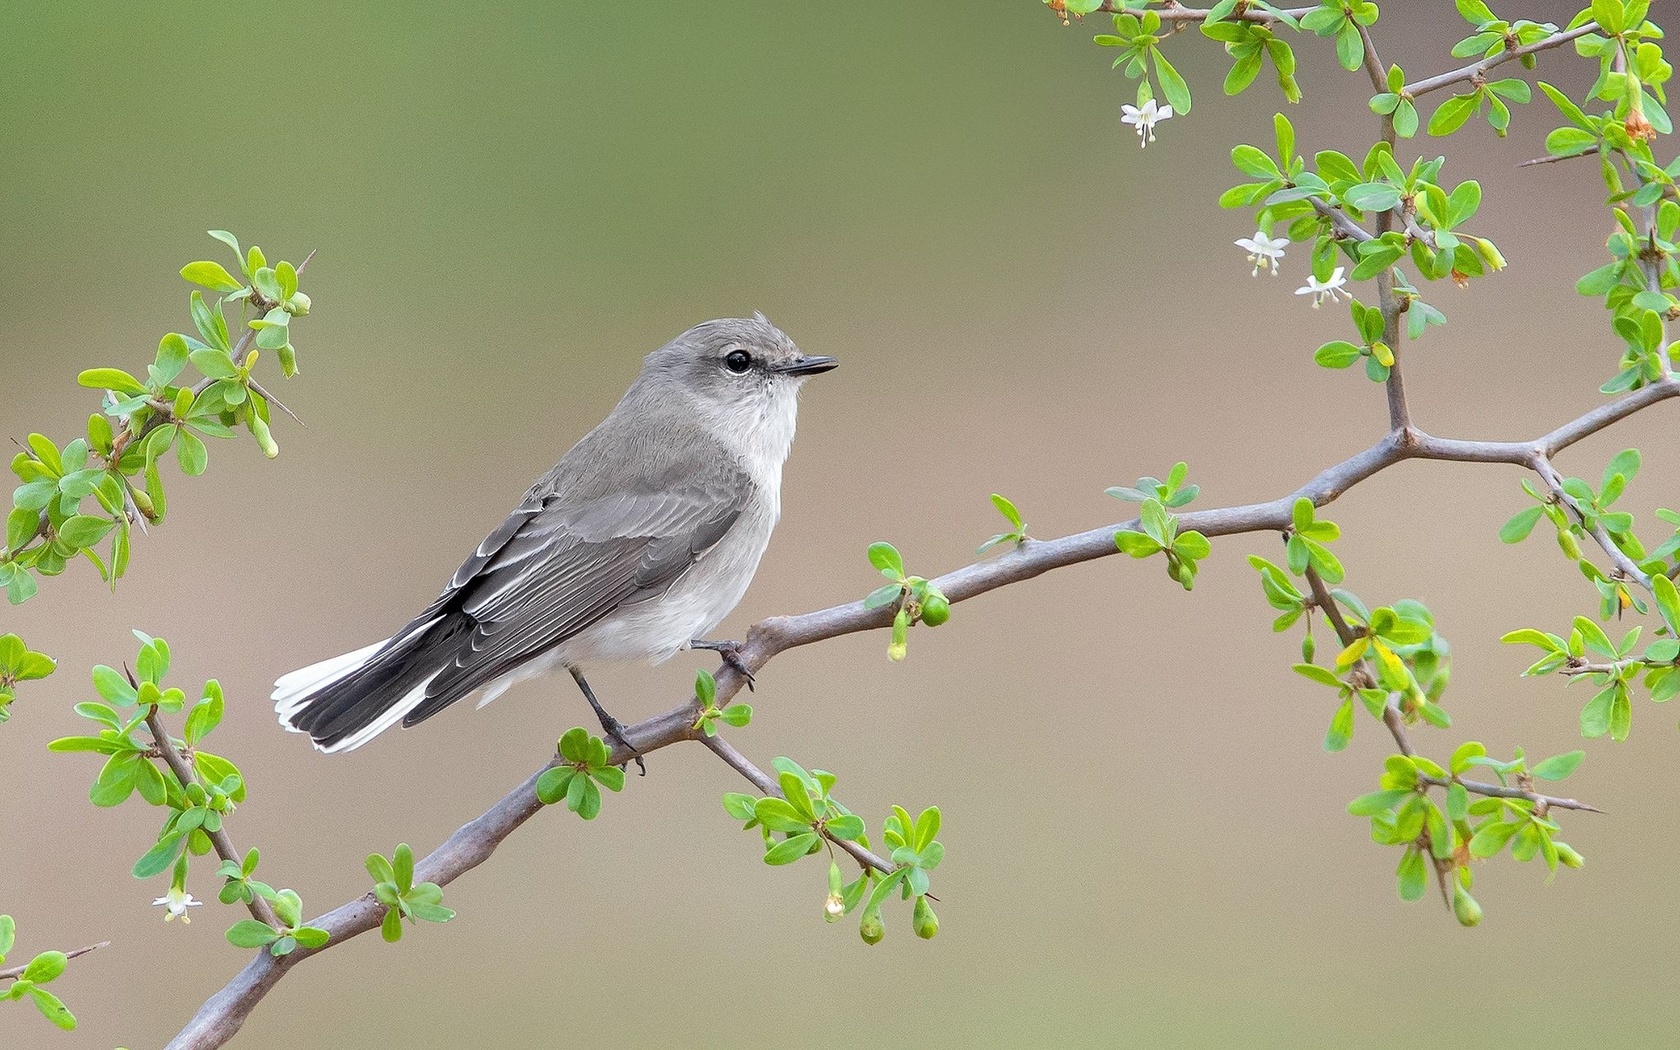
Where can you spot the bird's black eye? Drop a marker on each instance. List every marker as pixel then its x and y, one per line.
pixel 738 361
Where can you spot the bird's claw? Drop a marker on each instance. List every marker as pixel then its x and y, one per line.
pixel 615 730
pixel 730 653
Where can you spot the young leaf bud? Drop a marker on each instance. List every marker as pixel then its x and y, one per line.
pixel 871 929
pixel 1469 913
pixel 925 922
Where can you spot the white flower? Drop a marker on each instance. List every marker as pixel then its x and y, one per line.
pixel 1263 250
pixel 1145 119
pixel 178 901
pixel 1320 289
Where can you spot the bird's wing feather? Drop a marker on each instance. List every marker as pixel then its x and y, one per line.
pixel 561 568
pixel 582 544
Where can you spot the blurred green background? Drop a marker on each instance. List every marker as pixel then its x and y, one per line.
pixel 511 204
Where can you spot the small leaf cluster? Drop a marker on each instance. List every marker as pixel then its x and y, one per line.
pixel 916 850
pixel 1377 354
pixel 581 773
pixel 705 695
pixel 1493 36
pixel 916 597
pixel 1610 711
pixel 19 663
pixel 1342 19
pixel 806 814
pixel 271 291
pixel 395 888
pixel 1407 657
pixel 241 887
pixel 1305 547
pixel 1638 309
pixel 292 934
pixel 44 968
pixel 195 809
pixel 1321 205
pixel 1017 533
pixel 1249 43
pixel 116 464
pixel 1158 531
pixel 1282 595
pixel 1139 38
pixel 1171 493
pixel 1490 97
pixel 1631 67
pixel 1636 284
pixel 1396 652
pixel 1577 509
pixel 1448 836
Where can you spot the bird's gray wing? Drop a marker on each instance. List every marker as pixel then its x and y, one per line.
pixel 558 565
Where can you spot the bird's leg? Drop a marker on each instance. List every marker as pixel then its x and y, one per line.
pixel 610 725
pixel 730 653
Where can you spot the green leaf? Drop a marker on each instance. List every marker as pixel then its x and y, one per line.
pixel 53 1009
pixel 1595 716
pixel 1177 91
pixel 885 557
pixel 194 457
pixel 111 379
pixel 1376 802
pixel 1372 196
pixel 1558 766
pixel 1451 114
pixel 211 275
pixel 116 781
pixel 160 857
pixel 1338 353
pixel 249 933
pixel 1521 524
pixel 791 849
pixel 1341 727
pixel 1252 161
pixel 85 530
pixel 1411 874
pixel 45 967
pixel 1668 601
pixel 1007 509
pixel 1491 839
pixel 554 784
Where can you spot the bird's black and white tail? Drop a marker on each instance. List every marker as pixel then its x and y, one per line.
pixel 344 702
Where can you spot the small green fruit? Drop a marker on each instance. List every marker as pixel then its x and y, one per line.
pixel 925 922
pixel 1469 913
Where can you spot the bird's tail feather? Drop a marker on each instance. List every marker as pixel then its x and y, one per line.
pixel 344 702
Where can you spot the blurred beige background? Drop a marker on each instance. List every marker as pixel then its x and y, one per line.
pixel 513 204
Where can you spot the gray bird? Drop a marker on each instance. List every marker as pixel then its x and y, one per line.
pixel 634 546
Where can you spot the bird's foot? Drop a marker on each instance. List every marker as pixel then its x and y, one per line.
pixel 609 725
pixel 729 653
pixel 615 732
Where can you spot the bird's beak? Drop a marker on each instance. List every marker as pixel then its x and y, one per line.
pixel 807 366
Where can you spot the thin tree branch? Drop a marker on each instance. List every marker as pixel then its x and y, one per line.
pixel 222 1015
pixel 10 972
pixel 1624 564
pixel 763 782
pixel 1396 723
pixel 1476 70
pixel 1172 13
pixel 1378 74
pixel 259 907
